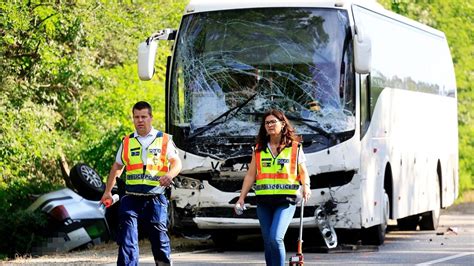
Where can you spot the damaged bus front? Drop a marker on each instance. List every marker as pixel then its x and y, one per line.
pixel 229 66
pixel 371 93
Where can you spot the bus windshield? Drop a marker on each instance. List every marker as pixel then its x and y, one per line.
pixel 231 66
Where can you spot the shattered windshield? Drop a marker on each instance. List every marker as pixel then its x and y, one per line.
pixel 231 66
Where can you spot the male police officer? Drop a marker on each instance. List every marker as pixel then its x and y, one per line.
pixel 151 162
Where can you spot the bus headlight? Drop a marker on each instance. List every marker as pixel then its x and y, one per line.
pixel 188 183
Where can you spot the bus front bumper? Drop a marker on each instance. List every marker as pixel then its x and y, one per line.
pixel 244 223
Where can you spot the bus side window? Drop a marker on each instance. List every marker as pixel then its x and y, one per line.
pixel 364 104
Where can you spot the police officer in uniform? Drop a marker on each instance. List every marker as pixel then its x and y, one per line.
pixel 151 161
pixel 278 170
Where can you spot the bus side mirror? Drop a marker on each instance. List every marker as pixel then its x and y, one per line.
pixel 147 53
pixel 146 59
pixel 362 52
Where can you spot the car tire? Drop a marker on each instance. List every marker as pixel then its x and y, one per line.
pixel 87 181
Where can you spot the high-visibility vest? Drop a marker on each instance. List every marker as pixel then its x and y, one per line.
pixel 279 175
pixel 144 175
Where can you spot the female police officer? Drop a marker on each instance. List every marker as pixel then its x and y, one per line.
pixel 277 169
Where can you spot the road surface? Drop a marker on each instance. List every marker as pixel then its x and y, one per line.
pixel 452 243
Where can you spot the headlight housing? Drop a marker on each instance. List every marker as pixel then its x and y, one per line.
pixel 187 183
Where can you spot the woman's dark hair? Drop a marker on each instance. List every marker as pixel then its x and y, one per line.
pixel 287 132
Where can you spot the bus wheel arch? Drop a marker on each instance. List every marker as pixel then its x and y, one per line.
pixel 440 182
pixel 375 235
pixel 388 187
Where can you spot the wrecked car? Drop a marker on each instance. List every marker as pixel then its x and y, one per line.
pixel 75 218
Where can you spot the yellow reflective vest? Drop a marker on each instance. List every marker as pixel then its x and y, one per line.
pixel 279 175
pixel 142 177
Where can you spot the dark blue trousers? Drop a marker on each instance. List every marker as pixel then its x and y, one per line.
pixel 153 212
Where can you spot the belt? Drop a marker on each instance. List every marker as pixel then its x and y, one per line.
pixel 141 194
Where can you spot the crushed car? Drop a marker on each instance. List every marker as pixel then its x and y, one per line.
pixel 75 218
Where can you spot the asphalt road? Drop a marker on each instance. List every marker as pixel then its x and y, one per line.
pixel 452 243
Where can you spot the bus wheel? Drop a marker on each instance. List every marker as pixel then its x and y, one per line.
pixel 223 239
pixel 408 223
pixel 375 235
pixel 429 220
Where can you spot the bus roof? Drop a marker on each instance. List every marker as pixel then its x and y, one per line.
pixel 197 6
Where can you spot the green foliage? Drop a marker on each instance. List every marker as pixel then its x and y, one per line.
pixel 40 47
pixel 28 152
pixel 67 87
pixel 20 232
pixel 69 81
pixel 456 19
pixel 17 196
pixel 105 118
pixel 466 160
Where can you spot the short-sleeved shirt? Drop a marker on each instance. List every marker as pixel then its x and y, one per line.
pixel 171 150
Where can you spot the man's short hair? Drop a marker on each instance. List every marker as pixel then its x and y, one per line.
pixel 143 105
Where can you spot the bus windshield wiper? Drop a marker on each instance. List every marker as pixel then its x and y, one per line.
pixel 226 115
pixel 316 127
pixel 332 136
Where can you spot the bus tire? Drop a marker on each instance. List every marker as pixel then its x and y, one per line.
pixel 375 235
pixel 224 239
pixel 429 220
pixel 408 223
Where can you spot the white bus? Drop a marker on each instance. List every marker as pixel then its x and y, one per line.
pixel 372 94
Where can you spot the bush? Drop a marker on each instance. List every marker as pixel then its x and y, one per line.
pixel 20 231
pixel 68 83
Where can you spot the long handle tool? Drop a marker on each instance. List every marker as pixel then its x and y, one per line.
pixel 298 259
